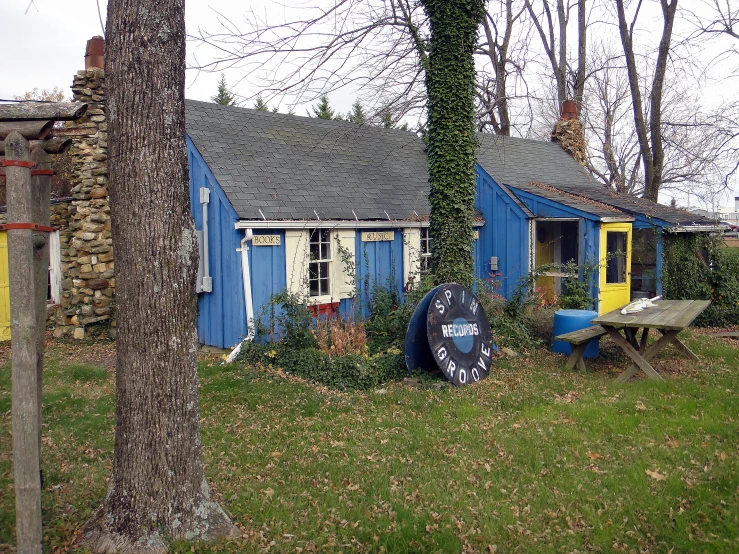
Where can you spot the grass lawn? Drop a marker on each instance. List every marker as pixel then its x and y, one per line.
pixel 534 459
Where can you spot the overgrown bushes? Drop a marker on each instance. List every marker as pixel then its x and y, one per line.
pixel 336 351
pixel 697 268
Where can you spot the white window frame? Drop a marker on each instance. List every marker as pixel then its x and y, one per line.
pixel 320 263
pixel 425 251
pixel 297 264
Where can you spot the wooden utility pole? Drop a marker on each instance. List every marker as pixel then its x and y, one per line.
pixel 26 357
pixel 28 184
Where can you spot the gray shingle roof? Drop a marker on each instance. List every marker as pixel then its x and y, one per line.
pixel 517 162
pixel 578 202
pixel 288 166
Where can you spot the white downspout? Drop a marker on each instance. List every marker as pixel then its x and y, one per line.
pixel 207 284
pixel 246 276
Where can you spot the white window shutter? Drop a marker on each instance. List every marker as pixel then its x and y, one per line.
pixel 55 267
pixel 411 255
pixel 343 274
pixel 296 262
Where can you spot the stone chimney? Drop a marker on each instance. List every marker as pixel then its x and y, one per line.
pixel 88 275
pixel 568 132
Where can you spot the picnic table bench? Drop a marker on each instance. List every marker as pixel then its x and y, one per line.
pixel 669 317
pixel 579 340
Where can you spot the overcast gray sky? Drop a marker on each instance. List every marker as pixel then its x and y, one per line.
pixel 43 46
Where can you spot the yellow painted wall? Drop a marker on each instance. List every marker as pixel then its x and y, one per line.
pixel 4 288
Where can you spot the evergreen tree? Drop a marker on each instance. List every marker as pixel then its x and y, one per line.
pixel 223 96
pixel 386 121
pixel 323 110
pixel 261 105
pixel 357 114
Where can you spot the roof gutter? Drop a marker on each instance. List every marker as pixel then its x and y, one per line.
pixel 334 224
pixel 621 219
pixel 695 229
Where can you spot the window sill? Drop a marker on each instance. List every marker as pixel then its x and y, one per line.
pixel 323 308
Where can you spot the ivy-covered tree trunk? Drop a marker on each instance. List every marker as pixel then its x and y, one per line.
pixel 450 82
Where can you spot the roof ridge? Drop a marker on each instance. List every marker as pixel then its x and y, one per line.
pixel 303 118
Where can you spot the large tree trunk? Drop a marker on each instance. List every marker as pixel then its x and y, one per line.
pixel 157 490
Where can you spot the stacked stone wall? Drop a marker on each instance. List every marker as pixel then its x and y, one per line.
pixel 88 269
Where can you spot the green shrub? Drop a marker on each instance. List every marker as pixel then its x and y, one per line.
pixel 298 352
pixel 577 289
pixel 697 268
pixel 289 314
pixel 352 371
pixel 390 316
pixel 510 321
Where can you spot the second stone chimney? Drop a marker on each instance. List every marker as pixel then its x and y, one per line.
pixel 568 132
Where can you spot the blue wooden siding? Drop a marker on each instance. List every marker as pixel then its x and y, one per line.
pixel 221 313
pixel 378 264
pixel 504 235
pixel 267 268
pixel 589 227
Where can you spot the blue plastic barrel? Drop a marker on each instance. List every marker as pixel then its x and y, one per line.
pixel 566 321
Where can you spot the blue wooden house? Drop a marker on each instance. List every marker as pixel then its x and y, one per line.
pixel 327 210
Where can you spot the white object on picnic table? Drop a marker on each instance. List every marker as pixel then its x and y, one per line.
pixel 639 305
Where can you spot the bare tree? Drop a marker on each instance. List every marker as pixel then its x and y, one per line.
pixel 503 44
pixel 695 141
pixel 378 45
pixel 613 151
pixel 157 490
pixel 650 135
pixel 717 17
pixel 570 83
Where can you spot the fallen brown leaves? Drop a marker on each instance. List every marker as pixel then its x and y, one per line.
pixel 656 475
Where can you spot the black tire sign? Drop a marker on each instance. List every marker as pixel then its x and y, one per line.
pixel 459 334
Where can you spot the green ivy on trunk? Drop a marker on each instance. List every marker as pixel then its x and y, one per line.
pixel 450 83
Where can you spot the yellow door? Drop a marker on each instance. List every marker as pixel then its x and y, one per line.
pixel 615 266
pixel 4 288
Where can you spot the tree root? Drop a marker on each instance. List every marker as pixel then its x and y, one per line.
pixel 209 524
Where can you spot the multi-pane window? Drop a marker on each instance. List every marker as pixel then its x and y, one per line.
pixel 319 266
pixel 616 257
pixel 425 250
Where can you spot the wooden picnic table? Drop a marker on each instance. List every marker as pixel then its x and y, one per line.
pixel 669 317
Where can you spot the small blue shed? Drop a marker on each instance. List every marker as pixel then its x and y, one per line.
pixel 326 210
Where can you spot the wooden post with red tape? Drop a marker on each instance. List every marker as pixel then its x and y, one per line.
pixel 27 346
